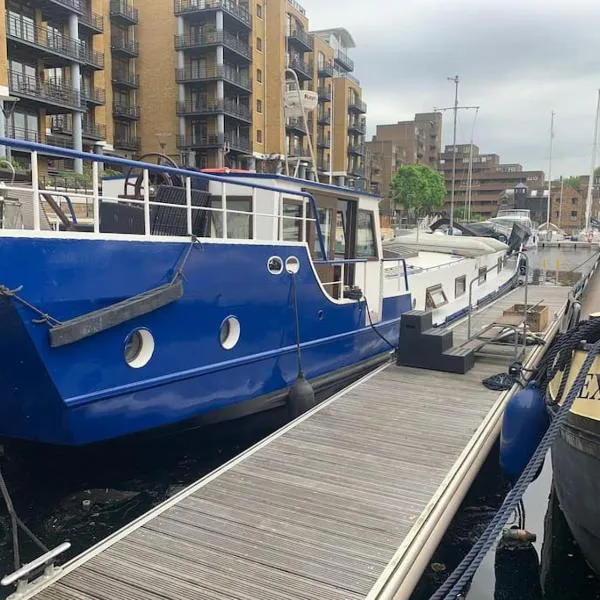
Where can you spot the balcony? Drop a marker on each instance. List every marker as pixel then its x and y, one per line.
pixel 68 5
pixel 324 117
pixel 195 142
pixel 226 107
pixel 199 8
pixel 124 47
pixel 92 21
pixel 357 127
pixel 324 142
pixel 131 143
pixel 301 40
pixel 214 73
pixel 19 133
pixel 126 80
pixel 56 97
pixel 93 96
pixel 296 125
pixel 125 111
pixel 303 69
pixel 62 125
pixel 199 41
pixel 324 94
pixel 326 69
pixel 356 149
pixel 123 12
pixel 344 61
pixel 56 49
pixel 357 105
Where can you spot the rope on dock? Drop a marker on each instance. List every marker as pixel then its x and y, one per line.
pixel 460 577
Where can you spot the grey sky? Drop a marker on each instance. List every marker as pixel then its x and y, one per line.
pixel 517 59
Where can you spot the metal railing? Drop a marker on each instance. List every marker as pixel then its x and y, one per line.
pixel 128 111
pixel 225 72
pixel 145 202
pixel 92 20
pixel 325 69
pixel 183 7
pixel 357 105
pixel 303 38
pixel 126 79
pixel 344 60
pixel 215 106
pixel 301 67
pixel 120 44
pixel 357 149
pixel 324 93
pixel 43 91
pixel 128 142
pixel 217 140
pixel 189 41
pixel 123 10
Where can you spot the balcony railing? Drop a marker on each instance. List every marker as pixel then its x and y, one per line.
pixel 126 111
pixel 324 94
pixel 92 20
pixel 356 149
pixel 357 105
pixel 301 39
pixel 303 69
pixel 122 10
pixel 223 106
pixel 124 46
pixel 324 118
pixel 296 124
pixel 189 7
pixel 93 95
pixel 213 38
pixel 125 142
pixel 324 142
pixel 236 143
pixel 19 133
pixel 73 5
pixel 358 127
pixel 129 80
pixel 45 92
pixel 51 42
pixel 326 69
pixel 225 72
pixel 62 124
pixel 344 61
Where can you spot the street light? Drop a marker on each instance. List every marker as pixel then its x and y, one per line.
pixel 7 105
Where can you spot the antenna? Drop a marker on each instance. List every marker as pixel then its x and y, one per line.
pixel 550 172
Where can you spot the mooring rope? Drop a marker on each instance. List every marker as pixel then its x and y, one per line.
pixel 460 577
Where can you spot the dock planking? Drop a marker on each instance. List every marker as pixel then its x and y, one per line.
pixel 328 507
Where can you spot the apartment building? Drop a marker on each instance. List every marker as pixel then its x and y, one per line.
pixel 489 180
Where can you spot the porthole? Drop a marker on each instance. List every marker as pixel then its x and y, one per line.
pixel 229 334
pixel 275 265
pixel 139 348
pixel 292 265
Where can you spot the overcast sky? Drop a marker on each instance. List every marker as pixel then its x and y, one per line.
pixel 517 59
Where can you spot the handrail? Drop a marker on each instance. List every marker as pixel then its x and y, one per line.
pixel 124 162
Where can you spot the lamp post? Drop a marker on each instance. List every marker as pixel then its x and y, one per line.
pixel 7 105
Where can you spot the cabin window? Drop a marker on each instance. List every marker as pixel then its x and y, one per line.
pixel 482 275
pixel 340 234
pixel 292 222
pixel 435 296
pixel 239 225
pixel 365 235
pixel 460 286
pixel 324 215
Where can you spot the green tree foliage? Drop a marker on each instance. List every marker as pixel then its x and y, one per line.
pixel 573 181
pixel 418 188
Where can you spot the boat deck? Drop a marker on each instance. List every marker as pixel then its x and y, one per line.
pixel 349 501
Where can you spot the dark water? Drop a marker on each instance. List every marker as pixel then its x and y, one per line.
pixel 84 495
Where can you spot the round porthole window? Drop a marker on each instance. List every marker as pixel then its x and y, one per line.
pixel 139 348
pixel 292 265
pixel 229 334
pixel 275 265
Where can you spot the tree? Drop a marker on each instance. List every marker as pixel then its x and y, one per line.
pixel 418 188
pixel 573 181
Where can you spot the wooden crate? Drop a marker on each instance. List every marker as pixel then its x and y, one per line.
pixel 537 316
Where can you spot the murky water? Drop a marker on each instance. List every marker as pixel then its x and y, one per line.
pixel 83 495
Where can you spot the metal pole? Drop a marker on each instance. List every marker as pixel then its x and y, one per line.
pixel 588 201
pixel 562 189
pixel 550 173
pixel 470 178
pixel 455 80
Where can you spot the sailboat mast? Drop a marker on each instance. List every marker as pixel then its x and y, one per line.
pixel 550 173
pixel 588 201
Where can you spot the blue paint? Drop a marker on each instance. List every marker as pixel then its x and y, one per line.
pixel 85 392
pixel 524 424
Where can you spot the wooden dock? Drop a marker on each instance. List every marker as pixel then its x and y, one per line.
pixel 349 501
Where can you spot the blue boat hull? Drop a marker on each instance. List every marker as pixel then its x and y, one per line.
pixel 85 392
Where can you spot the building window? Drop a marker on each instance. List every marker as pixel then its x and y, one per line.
pixel 259 136
pixel 259 75
pixel 573 213
pixel 259 11
pixel 435 296
pixel 573 200
pixel 557 214
pixel 259 106
pixel 365 235
pixel 259 44
pixel 460 286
